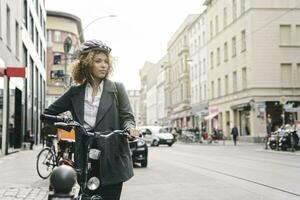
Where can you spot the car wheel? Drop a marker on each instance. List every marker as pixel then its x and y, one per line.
pixel 170 144
pixel 155 143
pixel 144 163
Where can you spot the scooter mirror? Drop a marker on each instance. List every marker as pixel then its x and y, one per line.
pixel 94 154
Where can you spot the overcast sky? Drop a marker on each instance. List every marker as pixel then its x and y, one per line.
pixel 139 33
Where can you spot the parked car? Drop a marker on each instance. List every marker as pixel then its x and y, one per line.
pixel 139 151
pixel 156 135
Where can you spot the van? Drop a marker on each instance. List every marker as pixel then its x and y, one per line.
pixel 156 135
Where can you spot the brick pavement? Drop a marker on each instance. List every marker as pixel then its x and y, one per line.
pixel 19 179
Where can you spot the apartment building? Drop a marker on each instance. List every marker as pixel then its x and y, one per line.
pixel 198 70
pixel 179 82
pixel 134 99
pixel 62 29
pixel 253 53
pixel 148 76
pixel 160 88
pixel 23 74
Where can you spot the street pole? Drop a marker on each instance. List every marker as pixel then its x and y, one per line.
pixel 67 48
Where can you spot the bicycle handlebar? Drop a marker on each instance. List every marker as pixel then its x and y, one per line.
pixel 67 124
pixel 53 118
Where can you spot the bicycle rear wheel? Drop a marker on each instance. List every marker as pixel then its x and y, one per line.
pixel 45 163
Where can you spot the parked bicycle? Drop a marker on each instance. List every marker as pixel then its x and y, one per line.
pixel 49 158
pixel 89 177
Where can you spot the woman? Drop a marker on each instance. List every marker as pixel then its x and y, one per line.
pixel 99 105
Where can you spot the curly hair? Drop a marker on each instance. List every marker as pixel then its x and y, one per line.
pixel 82 68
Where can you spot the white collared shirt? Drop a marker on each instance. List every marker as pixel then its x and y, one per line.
pixel 90 106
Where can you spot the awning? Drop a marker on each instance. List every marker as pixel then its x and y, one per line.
pixel 210 116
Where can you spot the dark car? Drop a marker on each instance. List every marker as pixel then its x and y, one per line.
pixel 139 151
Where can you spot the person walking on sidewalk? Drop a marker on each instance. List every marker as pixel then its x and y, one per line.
pixel 99 104
pixel 234 133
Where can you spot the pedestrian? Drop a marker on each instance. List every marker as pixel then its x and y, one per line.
pixel 234 133
pixel 99 104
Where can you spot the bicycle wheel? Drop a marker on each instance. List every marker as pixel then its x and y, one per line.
pixel 45 163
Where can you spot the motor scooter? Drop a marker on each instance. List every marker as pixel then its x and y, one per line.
pixel 290 140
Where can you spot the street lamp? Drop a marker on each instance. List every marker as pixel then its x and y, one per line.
pixel 67 48
pixel 102 17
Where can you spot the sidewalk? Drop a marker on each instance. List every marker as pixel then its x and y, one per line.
pixel 19 179
pixel 257 146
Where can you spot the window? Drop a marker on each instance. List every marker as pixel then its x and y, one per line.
pixel 25 13
pixel 8 28
pixel 243 44
pixel 285 34
pixel 242 6
pixel 225 17
pixel 25 60
pixel 31 27
pixel 218 56
pixel 219 87
pixel 204 66
pixel 36 39
pixel 298 35
pixel 211 29
pixel 226 84
pixel 286 75
pixel 181 92
pixel 234 81
pixel 225 51
pixel 233 46
pixel 57 36
pixel 204 92
pixel 200 68
pixel 57 59
pixel 244 78
pixel 217 24
pixel 234 11
pixel 212 60
pixel 17 42
pixel 212 90
pixel 298 75
pixel 49 37
pixel 200 92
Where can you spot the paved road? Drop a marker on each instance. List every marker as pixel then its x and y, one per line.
pixel 214 172
pixel 181 172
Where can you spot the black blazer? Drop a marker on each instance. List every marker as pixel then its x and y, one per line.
pixel 114 113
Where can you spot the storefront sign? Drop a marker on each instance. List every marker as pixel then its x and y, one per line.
pixel 15 72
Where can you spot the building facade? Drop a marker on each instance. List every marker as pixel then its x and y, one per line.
pixel 23 52
pixel 253 64
pixel 134 99
pixel 178 70
pixel 160 88
pixel 198 70
pixel 63 29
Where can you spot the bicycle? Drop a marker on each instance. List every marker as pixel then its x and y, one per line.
pixel 48 158
pixel 89 177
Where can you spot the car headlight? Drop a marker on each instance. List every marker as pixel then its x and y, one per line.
pixel 140 142
pixel 93 183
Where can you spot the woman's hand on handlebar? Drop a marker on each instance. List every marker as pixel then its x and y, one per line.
pixel 133 133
